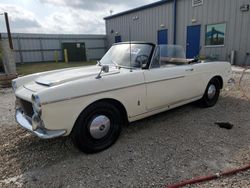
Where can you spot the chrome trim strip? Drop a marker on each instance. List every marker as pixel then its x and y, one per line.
pixel 41 133
pixel 169 106
pixel 166 79
pixel 64 99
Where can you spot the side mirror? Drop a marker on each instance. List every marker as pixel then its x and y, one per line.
pixel 105 68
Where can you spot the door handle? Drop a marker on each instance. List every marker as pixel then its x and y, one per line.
pixel 189 69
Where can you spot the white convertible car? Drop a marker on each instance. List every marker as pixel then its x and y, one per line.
pixel 132 81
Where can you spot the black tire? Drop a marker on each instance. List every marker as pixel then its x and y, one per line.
pixel 207 101
pixel 81 134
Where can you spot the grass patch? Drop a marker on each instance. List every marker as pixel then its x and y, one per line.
pixel 31 68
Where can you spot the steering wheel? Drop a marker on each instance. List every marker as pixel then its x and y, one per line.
pixel 140 60
pixel 195 60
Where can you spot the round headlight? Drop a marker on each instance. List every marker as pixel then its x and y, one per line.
pixel 36 104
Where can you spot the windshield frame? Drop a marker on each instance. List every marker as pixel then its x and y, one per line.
pixel 150 56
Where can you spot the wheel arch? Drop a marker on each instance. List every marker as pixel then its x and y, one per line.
pixel 220 79
pixel 118 104
pixel 81 134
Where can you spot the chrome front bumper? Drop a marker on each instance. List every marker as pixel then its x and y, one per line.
pixel 43 133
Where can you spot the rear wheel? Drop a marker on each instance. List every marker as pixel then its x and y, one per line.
pixel 211 94
pixel 97 127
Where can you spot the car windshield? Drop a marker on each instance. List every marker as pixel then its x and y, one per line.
pixel 120 55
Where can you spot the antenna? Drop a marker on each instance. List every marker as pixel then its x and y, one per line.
pixel 130 58
pixel 130 51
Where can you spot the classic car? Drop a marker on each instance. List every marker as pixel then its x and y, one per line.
pixel 132 81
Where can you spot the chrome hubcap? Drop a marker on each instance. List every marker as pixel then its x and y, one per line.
pixel 211 91
pixel 99 127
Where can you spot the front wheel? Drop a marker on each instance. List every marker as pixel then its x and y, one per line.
pixel 211 94
pixel 97 127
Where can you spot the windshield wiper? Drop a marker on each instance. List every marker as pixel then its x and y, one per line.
pixel 116 64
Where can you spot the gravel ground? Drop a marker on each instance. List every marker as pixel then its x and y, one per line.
pixel 157 151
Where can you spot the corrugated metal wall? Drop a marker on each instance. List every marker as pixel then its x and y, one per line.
pixel 42 47
pixel 145 28
pixel 237 35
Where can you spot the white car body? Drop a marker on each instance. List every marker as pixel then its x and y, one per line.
pixel 64 94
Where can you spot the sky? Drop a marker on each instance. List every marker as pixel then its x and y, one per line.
pixel 62 16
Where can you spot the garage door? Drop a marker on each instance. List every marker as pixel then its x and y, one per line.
pixel 76 51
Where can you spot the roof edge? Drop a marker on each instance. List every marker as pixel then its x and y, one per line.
pixel 137 9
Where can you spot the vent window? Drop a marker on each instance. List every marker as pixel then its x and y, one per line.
pixel 197 3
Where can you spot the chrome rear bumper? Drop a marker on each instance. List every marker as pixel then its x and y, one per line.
pixel 40 132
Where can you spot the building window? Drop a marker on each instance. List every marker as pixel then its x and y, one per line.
pixel 215 34
pixel 197 2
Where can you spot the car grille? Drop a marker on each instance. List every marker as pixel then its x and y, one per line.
pixel 26 107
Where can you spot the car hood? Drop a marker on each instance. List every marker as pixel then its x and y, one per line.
pixel 67 75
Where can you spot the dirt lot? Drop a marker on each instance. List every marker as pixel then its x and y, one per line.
pixel 163 149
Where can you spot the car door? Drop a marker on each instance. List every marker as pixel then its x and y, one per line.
pixel 168 85
pixel 164 86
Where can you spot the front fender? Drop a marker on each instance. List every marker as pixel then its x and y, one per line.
pixel 63 114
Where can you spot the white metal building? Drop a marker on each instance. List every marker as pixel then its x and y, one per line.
pixel 44 47
pixel 209 28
